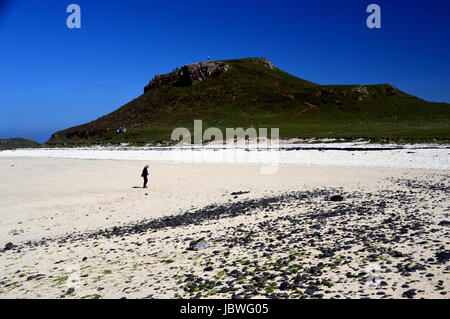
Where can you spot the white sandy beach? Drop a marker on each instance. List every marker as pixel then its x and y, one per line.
pixel 49 197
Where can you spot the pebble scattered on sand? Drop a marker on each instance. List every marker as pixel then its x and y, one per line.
pixel 322 243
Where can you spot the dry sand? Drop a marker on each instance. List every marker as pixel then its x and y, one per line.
pixel 53 211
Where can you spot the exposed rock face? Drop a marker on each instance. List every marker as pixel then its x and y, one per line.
pixel 329 94
pixel 361 90
pixel 266 63
pixel 189 74
pixel 193 73
pixel 162 79
pixel 391 90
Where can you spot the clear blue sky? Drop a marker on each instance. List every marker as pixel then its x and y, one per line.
pixel 53 77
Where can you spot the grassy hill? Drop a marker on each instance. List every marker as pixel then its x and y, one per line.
pixel 253 93
pixel 13 143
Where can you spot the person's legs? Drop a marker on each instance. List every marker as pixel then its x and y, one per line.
pixel 145 181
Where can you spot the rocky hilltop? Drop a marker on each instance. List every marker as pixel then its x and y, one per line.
pixel 189 74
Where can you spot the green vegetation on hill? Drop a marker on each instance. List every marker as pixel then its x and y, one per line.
pixel 13 143
pixel 251 93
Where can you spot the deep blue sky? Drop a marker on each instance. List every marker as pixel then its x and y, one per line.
pixel 53 77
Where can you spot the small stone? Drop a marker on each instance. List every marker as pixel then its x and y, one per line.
pixel 396 254
pixel 409 293
pixel 443 256
pixel 198 245
pixel 285 286
pixel 336 198
pixel 311 290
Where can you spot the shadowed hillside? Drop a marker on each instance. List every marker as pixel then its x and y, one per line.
pixel 252 92
pixel 13 143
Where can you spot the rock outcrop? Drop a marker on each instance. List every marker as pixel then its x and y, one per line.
pixel 361 90
pixel 189 74
pixel 266 63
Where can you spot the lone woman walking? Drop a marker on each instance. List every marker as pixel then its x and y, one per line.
pixel 144 175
